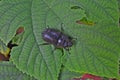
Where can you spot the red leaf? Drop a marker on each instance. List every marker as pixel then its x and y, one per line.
pixel 19 30
pixel 90 76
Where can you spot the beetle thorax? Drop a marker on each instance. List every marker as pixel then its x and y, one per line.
pixel 64 41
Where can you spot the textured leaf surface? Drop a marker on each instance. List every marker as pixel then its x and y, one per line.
pixel 96 49
pixel 8 71
pixel 68 75
pixel 38 61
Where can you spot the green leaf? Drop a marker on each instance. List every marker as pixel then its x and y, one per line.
pixel 8 71
pixel 96 50
pixel 38 61
pixel 68 75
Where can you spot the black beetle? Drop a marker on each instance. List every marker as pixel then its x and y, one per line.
pixel 57 38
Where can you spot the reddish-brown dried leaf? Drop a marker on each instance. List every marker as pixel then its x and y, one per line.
pixel 19 30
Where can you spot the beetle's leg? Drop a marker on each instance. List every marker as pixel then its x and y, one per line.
pixel 62 52
pixel 62 27
pixel 69 52
pixel 54 49
pixel 74 38
pixel 67 49
pixel 60 49
pixel 47 26
pixel 44 44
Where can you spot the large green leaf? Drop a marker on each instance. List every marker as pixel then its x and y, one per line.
pixel 68 75
pixel 38 61
pixel 8 71
pixel 97 47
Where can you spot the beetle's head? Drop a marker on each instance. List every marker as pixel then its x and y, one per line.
pixel 70 43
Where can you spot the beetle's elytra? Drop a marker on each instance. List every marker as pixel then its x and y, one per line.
pixel 57 38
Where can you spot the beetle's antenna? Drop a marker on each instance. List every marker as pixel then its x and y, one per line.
pixel 74 39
